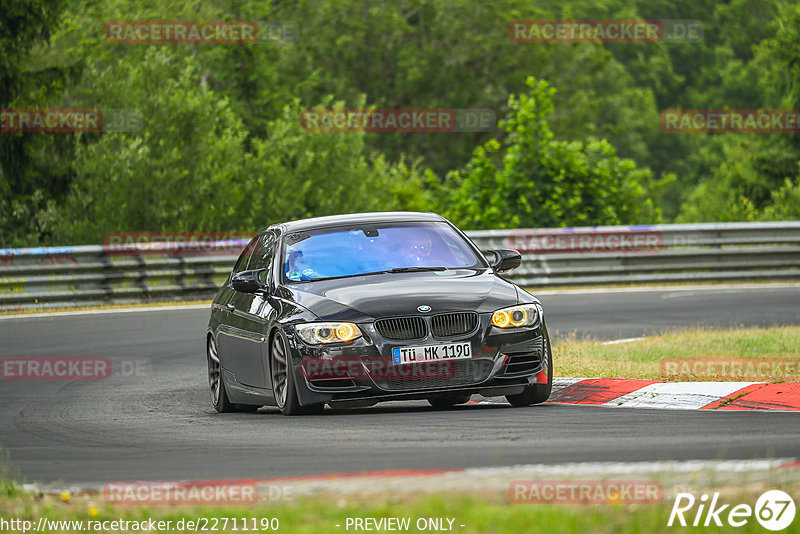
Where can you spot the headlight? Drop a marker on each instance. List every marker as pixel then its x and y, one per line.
pixel 318 333
pixel 516 316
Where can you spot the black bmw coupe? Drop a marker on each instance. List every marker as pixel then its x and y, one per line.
pixel 351 310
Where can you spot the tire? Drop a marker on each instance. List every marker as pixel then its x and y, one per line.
pixel 444 402
pixel 283 386
pixel 535 393
pixel 219 397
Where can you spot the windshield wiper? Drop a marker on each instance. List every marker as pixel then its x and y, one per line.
pixel 415 269
pixel 395 270
pixel 340 276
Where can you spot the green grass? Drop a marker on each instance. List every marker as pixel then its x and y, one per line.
pixel 9 488
pixel 478 514
pixel 9 475
pixel 646 358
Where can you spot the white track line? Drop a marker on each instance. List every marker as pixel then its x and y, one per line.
pixel 624 340
pixel 626 468
pixel 678 395
pixel 660 289
pixel 565 382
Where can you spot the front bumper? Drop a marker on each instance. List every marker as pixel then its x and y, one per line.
pixel 502 362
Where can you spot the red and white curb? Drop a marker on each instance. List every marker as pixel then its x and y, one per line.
pixel 675 395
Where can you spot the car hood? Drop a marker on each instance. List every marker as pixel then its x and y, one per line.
pixel 364 298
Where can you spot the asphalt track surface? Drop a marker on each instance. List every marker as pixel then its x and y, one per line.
pixel 158 423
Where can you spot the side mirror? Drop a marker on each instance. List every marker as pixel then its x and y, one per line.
pixel 247 281
pixel 506 260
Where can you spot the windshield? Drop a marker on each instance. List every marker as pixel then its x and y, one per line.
pixel 353 251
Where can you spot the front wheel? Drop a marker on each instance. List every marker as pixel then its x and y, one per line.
pixel 536 393
pixel 283 385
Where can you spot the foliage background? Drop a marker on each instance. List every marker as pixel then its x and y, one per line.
pixel 221 148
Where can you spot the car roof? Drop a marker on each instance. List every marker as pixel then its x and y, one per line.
pixel 358 218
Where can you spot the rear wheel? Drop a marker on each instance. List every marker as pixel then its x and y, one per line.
pixel 283 382
pixel 536 393
pixel 219 398
pixel 442 402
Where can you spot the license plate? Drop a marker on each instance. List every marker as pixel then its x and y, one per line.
pixel 431 353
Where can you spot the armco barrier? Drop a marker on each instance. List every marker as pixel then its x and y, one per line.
pixel 84 275
pixel 651 254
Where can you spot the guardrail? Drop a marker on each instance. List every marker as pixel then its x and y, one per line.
pixel 86 275
pixel 647 254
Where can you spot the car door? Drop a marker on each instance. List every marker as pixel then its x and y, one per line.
pixel 223 297
pixel 247 320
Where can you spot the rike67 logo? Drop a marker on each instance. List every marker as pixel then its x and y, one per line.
pixel 774 510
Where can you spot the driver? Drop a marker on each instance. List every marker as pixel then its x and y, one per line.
pixel 418 249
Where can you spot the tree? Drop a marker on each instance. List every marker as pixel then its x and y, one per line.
pixel 532 179
pixel 755 176
pixel 32 165
pixel 188 167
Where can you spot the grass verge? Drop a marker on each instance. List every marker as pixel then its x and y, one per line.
pixel 746 354
pixel 121 306
pixel 487 514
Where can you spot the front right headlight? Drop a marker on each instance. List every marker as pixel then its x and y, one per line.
pixel 321 333
pixel 516 316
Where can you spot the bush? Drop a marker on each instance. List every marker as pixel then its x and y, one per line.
pixel 531 179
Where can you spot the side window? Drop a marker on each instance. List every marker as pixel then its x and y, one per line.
pixel 262 258
pixel 244 258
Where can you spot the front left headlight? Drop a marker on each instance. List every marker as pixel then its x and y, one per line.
pixel 516 316
pixel 322 333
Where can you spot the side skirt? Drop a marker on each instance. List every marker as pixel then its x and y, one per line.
pixel 241 394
